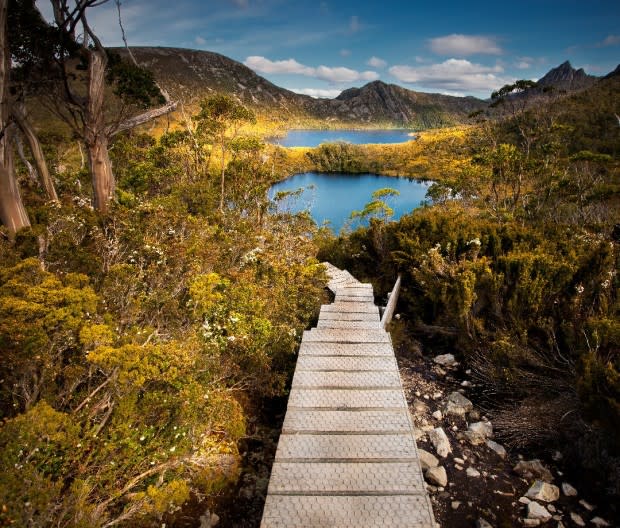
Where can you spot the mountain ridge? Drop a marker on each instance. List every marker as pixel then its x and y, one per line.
pixel 189 75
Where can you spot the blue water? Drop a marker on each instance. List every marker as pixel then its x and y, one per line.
pixel 332 197
pixel 313 138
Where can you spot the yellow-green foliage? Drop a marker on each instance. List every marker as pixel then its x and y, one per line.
pixel 136 346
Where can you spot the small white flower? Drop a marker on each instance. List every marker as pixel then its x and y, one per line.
pixel 142 438
pixel 172 449
pixel 579 289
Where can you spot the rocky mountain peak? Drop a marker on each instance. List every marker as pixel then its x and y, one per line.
pixel 565 77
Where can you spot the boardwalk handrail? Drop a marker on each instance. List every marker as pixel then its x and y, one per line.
pixel 391 305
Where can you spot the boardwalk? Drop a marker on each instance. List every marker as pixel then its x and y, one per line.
pixel 347 455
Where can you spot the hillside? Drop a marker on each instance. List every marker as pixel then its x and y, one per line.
pixel 190 75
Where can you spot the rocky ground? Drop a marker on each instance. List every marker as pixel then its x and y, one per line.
pixel 473 480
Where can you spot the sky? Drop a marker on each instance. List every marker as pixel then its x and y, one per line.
pixel 322 47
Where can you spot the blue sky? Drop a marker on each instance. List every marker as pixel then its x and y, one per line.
pixel 322 47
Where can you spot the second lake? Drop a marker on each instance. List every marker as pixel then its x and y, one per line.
pixel 313 138
pixel 333 197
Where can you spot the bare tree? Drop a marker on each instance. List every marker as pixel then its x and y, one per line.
pixel 12 211
pixel 84 109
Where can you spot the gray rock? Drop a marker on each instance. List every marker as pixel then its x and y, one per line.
pixel 419 407
pixel 458 460
pixel 576 518
pixel 437 415
pixel 483 523
pixel 499 449
pixel 440 442
pixel 209 520
pixel 543 491
pixel 437 475
pixel 445 360
pixel 418 433
pixel 586 505
pixel 598 521
pixel 536 511
pixel 455 505
pixel 427 460
pixel 478 432
pixel 458 404
pixel 530 522
pixel 524 500
pixel 533 469
pixel 568 490
pixel 472 472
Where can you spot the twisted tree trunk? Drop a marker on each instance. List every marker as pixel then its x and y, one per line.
pixel 12 211
pixel 96 136
pixel 24 125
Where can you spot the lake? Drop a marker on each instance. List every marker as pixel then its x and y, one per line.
pixel 313 138
pixel 332 197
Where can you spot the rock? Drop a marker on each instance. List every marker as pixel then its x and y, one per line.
pixel 427 460
pixel 557 456
pixel 576 518
pixel 445 360
pixel 560 524
pixel 455 505
pixel 437 475
pixel 524 500
pixel 437 395
pixel 466 383
pixel 598 521
pixel 418 433
pixel 473 473
pixel 568 490
pixel 478 432
pixel 440 442
pixel 499 449
pixel 419 407
pixel 536 511
pixel 437 415
pixel 458 404
pixel 586 505
pixel 209 520
pixel 457 466
pixel 530 522
pixel 533 469
pixel 458 460
pixel 543 491
pixel 551 508
pixel 483 523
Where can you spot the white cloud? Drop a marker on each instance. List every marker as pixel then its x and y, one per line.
pixel 523 65
pixel 454 76
pixel 611 40
pixel 463 45
pixel 376 62
pixel 200 41
pixel 318 92
pixel 264 65
pixel 325 73
pixel 354 24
